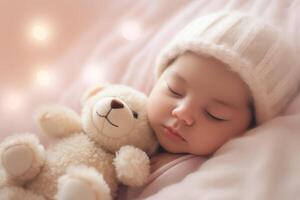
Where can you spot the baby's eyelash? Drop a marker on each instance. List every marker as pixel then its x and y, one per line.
pixel 214 117
pixel 176 93
pixel 173 91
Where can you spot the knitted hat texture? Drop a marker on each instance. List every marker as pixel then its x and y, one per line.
pixel 253 49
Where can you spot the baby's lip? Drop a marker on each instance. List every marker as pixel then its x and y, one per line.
pixel 174 132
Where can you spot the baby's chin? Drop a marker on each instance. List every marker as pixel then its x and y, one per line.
pixel 181 147
pixel 176 149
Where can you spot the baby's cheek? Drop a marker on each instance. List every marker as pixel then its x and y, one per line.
pixel 151 107
pixel 205 144
pixel 159 104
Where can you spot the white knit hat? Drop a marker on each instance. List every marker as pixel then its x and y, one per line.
pixel 250 48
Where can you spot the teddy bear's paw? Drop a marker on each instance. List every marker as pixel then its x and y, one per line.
pixel 21 157
pixel 132 166
pixel 58 121
pixel 17 159
pixel 76 189
pixel 81 182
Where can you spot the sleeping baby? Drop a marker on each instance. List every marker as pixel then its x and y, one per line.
pixel 222 75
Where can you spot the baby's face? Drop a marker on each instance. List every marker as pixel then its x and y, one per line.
pixel 197 105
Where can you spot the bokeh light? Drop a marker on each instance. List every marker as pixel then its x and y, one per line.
pixel 94 73
pixel 44 78
pixel 13 101
pixel 40 31
pixel 131 30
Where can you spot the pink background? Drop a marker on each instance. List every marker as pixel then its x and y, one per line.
pixel 98 41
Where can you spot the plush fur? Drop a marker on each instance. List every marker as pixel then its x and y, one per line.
pixel 109 144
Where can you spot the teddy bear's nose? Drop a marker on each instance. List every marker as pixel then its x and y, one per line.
pixel 115 104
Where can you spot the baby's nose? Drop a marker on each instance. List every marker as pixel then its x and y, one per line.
pixel 183 115
pixel 115 104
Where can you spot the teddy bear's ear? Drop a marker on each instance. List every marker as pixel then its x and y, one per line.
pixel 91 92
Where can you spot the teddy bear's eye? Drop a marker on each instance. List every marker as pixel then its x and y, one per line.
pixel 135 114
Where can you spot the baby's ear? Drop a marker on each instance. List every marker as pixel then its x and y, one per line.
pixel 91 92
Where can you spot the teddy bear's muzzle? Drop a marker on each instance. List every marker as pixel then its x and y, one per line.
pixel 113 117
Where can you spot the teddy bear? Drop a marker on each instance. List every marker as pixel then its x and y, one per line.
pixel 109 144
